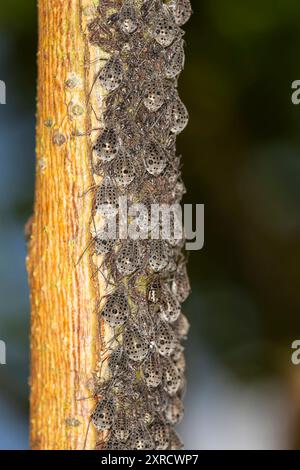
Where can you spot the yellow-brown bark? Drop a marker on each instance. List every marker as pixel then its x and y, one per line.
pixel 63 293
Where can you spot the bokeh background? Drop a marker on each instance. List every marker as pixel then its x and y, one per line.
pixel 242 160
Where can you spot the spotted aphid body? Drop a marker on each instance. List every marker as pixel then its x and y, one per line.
pixel 111 76
pixel 107 145
pixel 179 116
pixel 141 439
pixel 182 11
pixel 103 415
pixel 165 339
pixel 152 370
pixel 179 360
pixel 106 198
pixel 135 345
pixel 116 310
pixel 174 411
pixel 153 96
pixel 181 327
pixel 154 290
pixel 121 427
pixel 127 18
pixel 160 435
pixel 103 245
pixel 164 30
pixel 158 257
pixel 123 170
pixel 155 159
pixel 174 59
pixel 169 308
pixel 158 399
pixel 172 379
pixel 181 285
pixel 117 362
pixel 128 258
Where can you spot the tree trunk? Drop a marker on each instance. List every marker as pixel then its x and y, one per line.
pixel 63 291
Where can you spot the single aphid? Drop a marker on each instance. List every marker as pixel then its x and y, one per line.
pixel 111 76
pixel 103 245
pixel 174 59
pixel 170 174
pixel 181 285
pixel 123 169
pixel 116 310
pixel 102 416
pixel 140 439
pixel 178 117
pixel 164 30
pixel 155 159
pixel 153 96
pixel 178 358
pixel 135 345
pixel 172 379
pixel 170 308
pixel 121 427
pixel 160 435
pixel 165 339
pixel 181 327
pixel 154 290
pixel 106 199
pixel 107 145
pixel 127 18
pixel 152 370
pixel 128 258
pixel 182 11
pixel 117 361
pixel 159 256
pixel 174 411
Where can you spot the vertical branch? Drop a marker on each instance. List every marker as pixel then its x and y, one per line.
pixel 63 291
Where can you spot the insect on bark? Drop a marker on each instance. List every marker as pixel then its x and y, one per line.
pixel 134 154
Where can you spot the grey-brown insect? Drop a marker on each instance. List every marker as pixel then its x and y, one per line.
pixel 135 344
pixel 107 145
pixel 123 170
pixel 141 439
pixel 106 197
pixel 153 96
pixel 121 427
pixel 116 310
pixel 170 309
pixel 172 379
pixel 160 435
pixel 155 158
pixel 103 415
pixel 165 339
pixel 174 59
pixel 111 76
pixel 152 370
pixel 128 258
pixel 174 411
pixel 159 256
pixel 128 18
pixel 182 11
pixel 163 29
pixel 134 155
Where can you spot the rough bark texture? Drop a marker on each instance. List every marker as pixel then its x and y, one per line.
pixel 63 293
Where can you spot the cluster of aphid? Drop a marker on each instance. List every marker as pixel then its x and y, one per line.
pixel 140 400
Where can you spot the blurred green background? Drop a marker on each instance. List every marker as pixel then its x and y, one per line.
pixel 241 159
